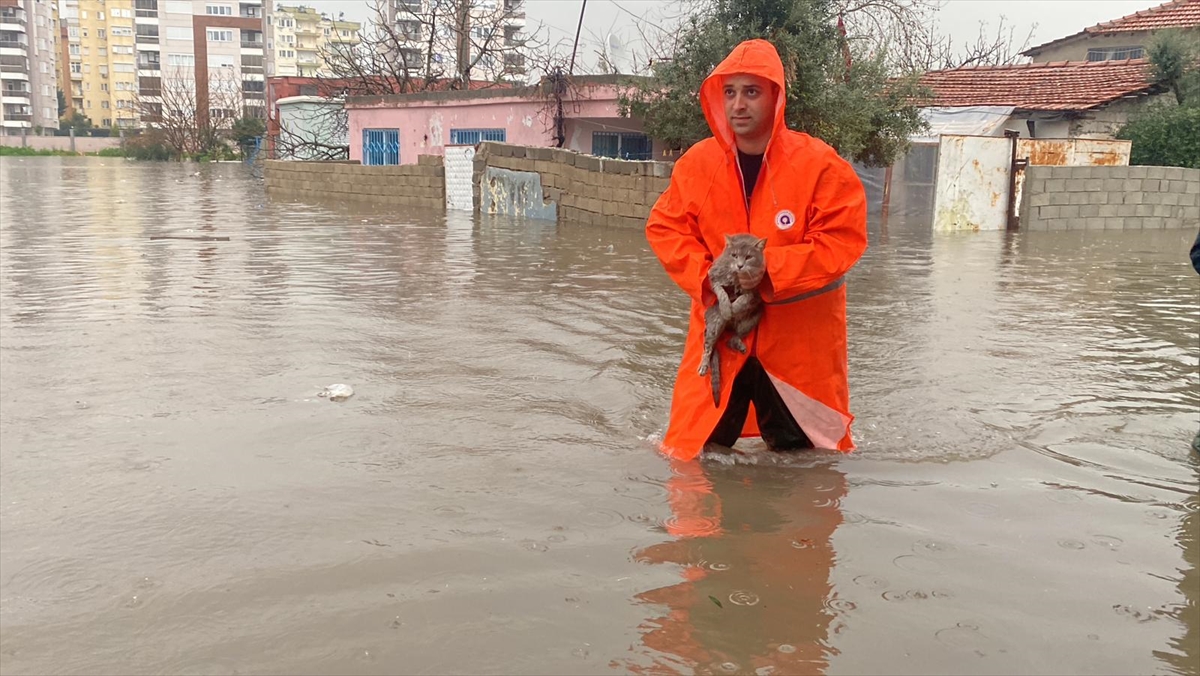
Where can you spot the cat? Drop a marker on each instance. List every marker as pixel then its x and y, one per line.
pixel 736 308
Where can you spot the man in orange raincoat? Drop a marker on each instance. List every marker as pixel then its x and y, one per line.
pixel 755 175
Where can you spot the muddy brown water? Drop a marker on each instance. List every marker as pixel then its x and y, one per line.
pixel 176 498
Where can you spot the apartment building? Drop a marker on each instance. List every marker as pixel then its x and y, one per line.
pixel 208 51
pixel 100 77
pixel 497 23
pixel 300 40
pixel 28 66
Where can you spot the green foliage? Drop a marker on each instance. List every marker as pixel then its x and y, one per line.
pixel 62 103
pixel 77 121
pixel 857 110
pixel 111 152
pixel 149 146
pixel 1165 136
pixel 246 129
pixel 21 151
pixel 1175 64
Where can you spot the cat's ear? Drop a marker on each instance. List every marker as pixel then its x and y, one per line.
pixel 728 239
pixel 760 244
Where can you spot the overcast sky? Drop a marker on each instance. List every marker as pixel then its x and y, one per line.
pixel 960 18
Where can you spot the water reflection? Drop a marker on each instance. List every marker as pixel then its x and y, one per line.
pixel 1184 655
pixel 753 548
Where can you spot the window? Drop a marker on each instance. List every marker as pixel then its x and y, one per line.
pixel 73 32
pixel 626 146
pixel 103 51
pixel 178 7
pixel 100 16
pixel 74 50
pixel 178 33
pixel 473 136
pixel 1115 53
pixel 125 31
pixel 254 86
pixel 220 61
pixel 103 86
pixel 123 68
pixel 106 122
pixel 380 147
pixel 220 36
pixel 101 34
pixel 76 67
pixel 219 10
pixel 345 34
pixel 104 105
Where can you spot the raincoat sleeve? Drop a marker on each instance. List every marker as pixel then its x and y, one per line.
pixel 835 239
pixel 674 234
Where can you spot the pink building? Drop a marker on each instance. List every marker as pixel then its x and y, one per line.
pixel 396 129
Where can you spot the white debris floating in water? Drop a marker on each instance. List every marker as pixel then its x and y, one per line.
pixel 337 392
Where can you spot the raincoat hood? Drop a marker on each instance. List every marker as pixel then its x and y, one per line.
pixel 752 57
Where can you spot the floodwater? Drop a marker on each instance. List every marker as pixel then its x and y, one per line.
pixel 176 498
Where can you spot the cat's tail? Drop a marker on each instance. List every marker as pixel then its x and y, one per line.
pixel 715 376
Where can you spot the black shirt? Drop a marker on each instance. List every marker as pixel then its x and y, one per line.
pixel 750 165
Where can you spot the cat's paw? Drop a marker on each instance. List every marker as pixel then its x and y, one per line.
pixel 737 344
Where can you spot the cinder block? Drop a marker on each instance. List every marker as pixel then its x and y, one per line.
pixel 1059 224
pixel 1151 172
pixel 1060 197
pixel 1114 223
pixel 1095 184
pixel 664 169
pixel 1070 211
pixel 1169 198
pixel 1153 223
pixel 1077 185
pixel 587 162
pixel 1094 223
pixel 1038 199
pixel 1114 185
pixel 1089 210
pixel 1109 210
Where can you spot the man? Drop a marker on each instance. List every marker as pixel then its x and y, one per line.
pixel 755 175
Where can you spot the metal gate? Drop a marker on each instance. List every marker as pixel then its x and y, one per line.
pixel 460 170
pixel 972 183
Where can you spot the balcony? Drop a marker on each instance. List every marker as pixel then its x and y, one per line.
pixel 8 18
pixel 18 117
pixel 13 44
pixel 147 39
pixel 252 44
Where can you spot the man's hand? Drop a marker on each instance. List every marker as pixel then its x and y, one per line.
pixel 749 279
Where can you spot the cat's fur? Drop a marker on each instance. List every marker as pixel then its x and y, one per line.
pixel 736 308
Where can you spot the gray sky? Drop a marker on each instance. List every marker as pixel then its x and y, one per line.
pixel 960 18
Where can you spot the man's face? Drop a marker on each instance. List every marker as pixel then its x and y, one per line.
pixel 749 105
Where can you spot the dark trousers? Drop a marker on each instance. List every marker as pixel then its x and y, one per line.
pixel 775 422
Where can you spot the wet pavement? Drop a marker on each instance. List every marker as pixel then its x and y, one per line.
pixel 176 498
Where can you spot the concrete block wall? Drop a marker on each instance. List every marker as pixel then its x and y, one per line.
pixel 588 189
pixel 1110 198
pixel 421 185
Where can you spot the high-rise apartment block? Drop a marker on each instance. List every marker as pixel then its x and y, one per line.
pixel 301 41
pixel 28 73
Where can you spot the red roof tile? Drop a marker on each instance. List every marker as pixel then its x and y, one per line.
pixel 1062 85
pixel 1174 14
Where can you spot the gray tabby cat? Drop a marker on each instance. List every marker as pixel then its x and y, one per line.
pixel 736 308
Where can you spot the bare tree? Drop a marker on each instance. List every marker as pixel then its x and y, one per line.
pixel 432 44
pixel 186 121
pixel 907 33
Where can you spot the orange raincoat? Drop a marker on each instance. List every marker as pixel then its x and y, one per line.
pixel 810 206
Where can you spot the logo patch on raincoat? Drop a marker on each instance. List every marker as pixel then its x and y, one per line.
pixel 785 219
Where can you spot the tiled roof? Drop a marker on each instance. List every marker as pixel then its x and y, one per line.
pixel 1174 14
pixel 1062 85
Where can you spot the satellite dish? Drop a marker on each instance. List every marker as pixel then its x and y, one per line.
pixel 616 53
